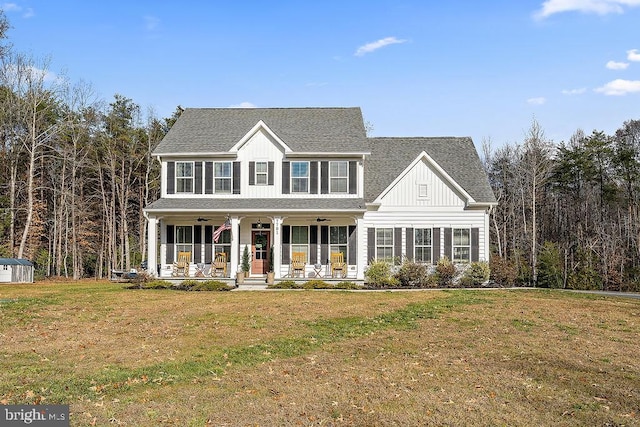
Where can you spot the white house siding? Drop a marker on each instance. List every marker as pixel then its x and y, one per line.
pixel 444 207
pixel 261 147
pixel 405 193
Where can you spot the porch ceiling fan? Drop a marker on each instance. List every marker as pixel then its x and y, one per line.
pixel 322 219
pixel 200 219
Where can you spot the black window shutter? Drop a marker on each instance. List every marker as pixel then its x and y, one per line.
pixel 208 240
pixel 286 240
pixel 436 245
pixel 208 177
pixel 371 244
pixel 286 168
pixel 475 244
pixel 169 244
pixel 324 244
pixel 198 178
pixel 324 177
pixel 410 254
pixel 197 243
pixel 252 173
pixel 171 178
pixel 313 244
pixel 353 177
pixel 270 167
pixel 353 245
pixel 397 245
pixel 448 250
pixel 313 177
pixel 236 177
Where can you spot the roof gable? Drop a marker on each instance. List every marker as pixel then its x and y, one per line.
pixel 457 159
pixel 432 164
pixel 218 130
pixel 260 126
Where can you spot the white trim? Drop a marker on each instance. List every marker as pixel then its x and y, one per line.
pixel 260 125
pixel 436 166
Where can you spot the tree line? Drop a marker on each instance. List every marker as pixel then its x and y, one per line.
pixel 568 213
pixel 76 173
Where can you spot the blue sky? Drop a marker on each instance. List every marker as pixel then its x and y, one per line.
pixel 483 69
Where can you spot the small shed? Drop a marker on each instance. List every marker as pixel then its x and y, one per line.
pixel 14 270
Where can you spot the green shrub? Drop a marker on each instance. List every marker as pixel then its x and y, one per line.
pixel 550 266
pixel 445 272
pixel 412 274
pixel 284 284
pixel 211 285
pixel 154 284
pixel 476 274
pixel 585 275
pixel 378 274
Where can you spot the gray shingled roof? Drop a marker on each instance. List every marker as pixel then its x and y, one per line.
pixel 270 205
pixel 214 130
pixel 457 156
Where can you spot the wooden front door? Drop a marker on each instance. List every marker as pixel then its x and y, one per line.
pixel 260 244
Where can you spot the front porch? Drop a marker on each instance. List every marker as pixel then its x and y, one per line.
pixel 297 248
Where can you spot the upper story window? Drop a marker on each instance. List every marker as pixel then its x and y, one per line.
pixel 339 176
pixel 222 173
pixel 184 177
pixel 299 177
pixel 262 173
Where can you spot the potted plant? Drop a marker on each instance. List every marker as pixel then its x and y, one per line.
pixel 246 261
pixel 270 274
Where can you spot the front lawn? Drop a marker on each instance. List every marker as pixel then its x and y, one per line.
pixel 455 357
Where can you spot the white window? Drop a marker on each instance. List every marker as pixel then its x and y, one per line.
pixel 184 177
pixel 262 173
pixel 461 245
pixel 222 177
pixel 338 177
pixel 299 177
pixel 423 191
pixel 184 239
pixel 384 244
pixel 338 240
pixel 422 245
pixel 300 239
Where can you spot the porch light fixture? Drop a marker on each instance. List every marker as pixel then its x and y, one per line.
pixel 259 224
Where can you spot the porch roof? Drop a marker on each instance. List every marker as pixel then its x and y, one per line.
pixel 226 205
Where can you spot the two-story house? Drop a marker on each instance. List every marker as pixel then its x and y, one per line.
pixel 308 181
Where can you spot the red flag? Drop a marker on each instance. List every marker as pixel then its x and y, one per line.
pixel 219 230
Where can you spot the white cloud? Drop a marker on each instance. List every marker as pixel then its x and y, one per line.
pixel 613 65
pixel 13 7
pixel 537 101
pixel 244 104
pixel 633 55
pixel 574 91
pixel 151 22
pixel 370 47
pixel 620 87
pixel 600 7
pixel 10 7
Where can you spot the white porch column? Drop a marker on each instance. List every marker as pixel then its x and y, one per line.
pixel 361 248
pixel 235 246
pixel 277 246
pixel 152 245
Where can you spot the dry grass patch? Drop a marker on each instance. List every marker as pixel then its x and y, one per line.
pixel 322 358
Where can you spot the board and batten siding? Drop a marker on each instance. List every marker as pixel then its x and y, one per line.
pixel 406 192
